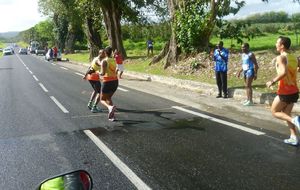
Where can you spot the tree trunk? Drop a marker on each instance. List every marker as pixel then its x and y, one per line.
pixel 94 38
pixel 162 54
pixel 173 50
pixel 70 41
pixel 112 19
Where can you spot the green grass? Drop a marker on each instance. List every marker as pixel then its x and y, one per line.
pixel 81 57
pixel 266 42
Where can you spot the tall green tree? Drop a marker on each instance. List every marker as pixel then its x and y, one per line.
pixel 44 31
pixel 93 25
pixel 56 11
pixel 192 23
pixel 116 10
pixel 67 21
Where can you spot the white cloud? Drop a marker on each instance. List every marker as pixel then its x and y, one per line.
pixel 257 6
pixel 19 15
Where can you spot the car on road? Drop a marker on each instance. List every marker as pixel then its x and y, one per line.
pixel 23 51
pixel 49 55
pixel 8 51
pixel 40 51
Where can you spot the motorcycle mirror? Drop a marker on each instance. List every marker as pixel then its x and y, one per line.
pixel 75 180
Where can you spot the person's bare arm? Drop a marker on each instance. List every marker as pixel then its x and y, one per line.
pixel 254 61
pixel 298 58
pixel 282 70
pixel 103 68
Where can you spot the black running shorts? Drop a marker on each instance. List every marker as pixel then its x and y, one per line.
pixel 291 98
pixel 96 85
pixel 110 86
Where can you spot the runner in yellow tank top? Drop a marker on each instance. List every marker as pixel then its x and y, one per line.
pixel 287 93
pixel 110 83
pixel 92 75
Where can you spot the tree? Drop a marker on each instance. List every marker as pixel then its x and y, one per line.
pixel 93 25
pixel 44 32
pixel 55 10
pixel 192 24
pixel 116 10
pixel 67 21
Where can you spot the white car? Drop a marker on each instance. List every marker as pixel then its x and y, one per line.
pixel 23 51
pixel 49 57
pixel 8 51
pixel 40 51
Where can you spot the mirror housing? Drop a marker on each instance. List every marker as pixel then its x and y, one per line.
pixel 74 180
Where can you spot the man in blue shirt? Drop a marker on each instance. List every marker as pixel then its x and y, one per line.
pixel 149 46
pixel 221 58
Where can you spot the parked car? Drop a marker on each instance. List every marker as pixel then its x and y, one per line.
pixel 8 51
pixel 23 51
pixel 40 51
pixel 49 55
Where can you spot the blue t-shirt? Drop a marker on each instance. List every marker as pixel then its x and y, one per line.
pixel 221 62
pixel 247 61
pixel 149 43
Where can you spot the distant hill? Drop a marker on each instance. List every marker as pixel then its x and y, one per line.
pixel 8 34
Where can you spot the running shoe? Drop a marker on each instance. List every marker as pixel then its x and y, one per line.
pixel 291 141
pixel 95 109
pixel 248 103
pixel 296 122
pixel 111 112
pixel 90 105
pixel 111 119
pixel 243 102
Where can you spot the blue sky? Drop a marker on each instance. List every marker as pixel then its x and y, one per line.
pixel 19 15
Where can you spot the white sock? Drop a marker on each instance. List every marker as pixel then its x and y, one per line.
pixel 294 137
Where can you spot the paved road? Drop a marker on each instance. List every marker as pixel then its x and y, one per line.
pixel 156 142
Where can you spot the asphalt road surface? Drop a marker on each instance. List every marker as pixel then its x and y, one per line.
pixel 46 129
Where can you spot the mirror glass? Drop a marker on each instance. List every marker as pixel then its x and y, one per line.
pixel 77 180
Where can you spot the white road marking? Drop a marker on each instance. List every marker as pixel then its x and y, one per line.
pixel 59 104
pixel 122 89
pixel 64 68
pixel 53 64
pixel 21 60
pixel 240 127
pixel 35 78
pixel 30 71
pixel 43 87
pixel 117 162
pixel 79 74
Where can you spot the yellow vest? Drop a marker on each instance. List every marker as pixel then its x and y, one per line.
pixel 288 84
pixel 110 73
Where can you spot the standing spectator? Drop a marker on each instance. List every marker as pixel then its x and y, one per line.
pixel 149 46
pixel 249 69
pixel 55 51
pixel 221 58
pixel 119 60
pixel 92 75
pixel 287 65
pixel 51 53
pixel 110 82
